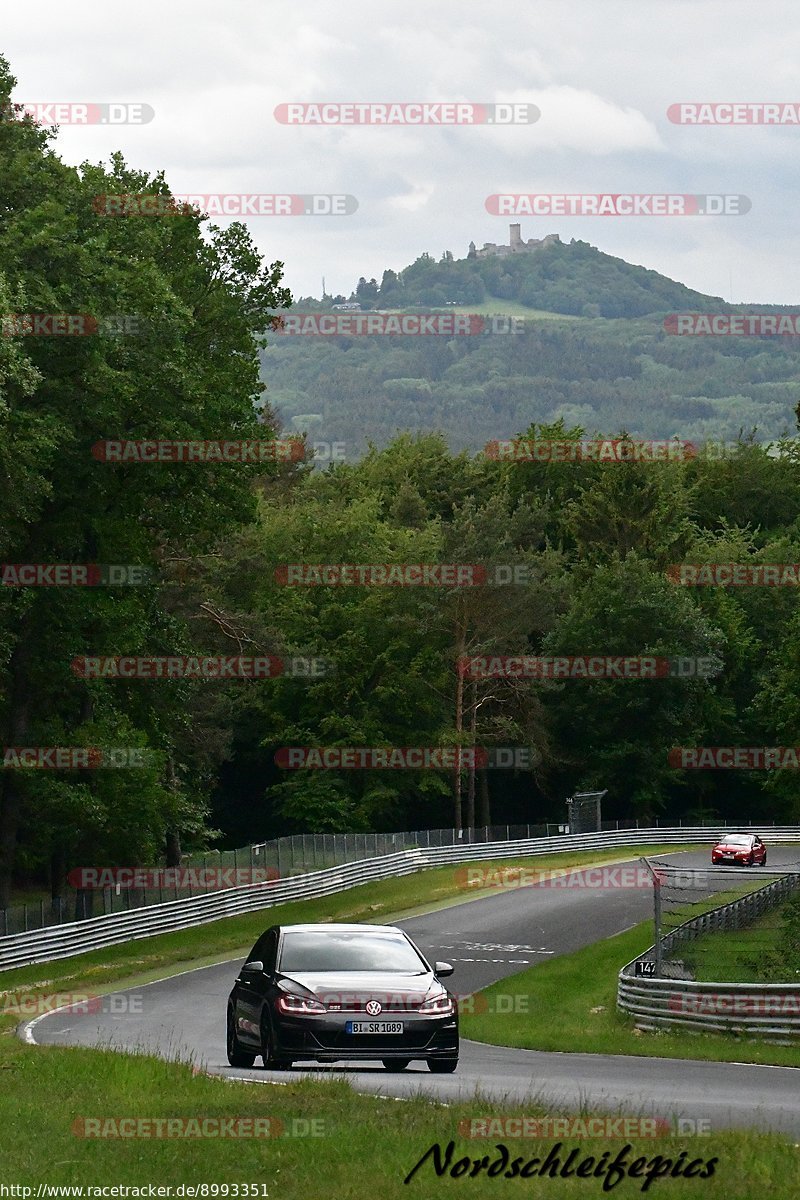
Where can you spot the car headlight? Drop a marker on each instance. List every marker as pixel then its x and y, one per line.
pixel 299 1006
pixel 438 1005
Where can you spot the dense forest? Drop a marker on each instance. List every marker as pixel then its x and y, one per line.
pixel 591 549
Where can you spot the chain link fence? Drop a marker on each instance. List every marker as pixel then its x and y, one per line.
pixel 724 924
pixel 280 858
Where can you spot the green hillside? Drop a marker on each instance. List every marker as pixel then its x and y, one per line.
pixel 593 350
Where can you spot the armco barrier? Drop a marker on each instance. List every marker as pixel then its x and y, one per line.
pixel 733 915
pixel 765 1009
pixel 278 858
pixel 79 937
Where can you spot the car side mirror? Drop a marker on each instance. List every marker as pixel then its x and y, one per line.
pixel 442 969
pixel 255 966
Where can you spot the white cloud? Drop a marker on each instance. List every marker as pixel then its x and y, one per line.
pixel 602 74
pixel 580 120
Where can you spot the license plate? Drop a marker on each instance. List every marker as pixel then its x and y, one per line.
pixel 374 1027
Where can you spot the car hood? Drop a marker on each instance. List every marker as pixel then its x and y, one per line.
pixel 378 985
pixel 733 849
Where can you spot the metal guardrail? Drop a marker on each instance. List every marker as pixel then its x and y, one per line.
pixel 280 858
pixel 298 854
pixel 79 937
pixel 771 1009
pixel 733 915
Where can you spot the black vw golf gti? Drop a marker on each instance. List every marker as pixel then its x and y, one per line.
pixel 324 993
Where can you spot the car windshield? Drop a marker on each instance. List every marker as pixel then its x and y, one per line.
pixel 736 841
pixel 309 951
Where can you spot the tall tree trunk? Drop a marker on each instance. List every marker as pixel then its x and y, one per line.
pixel 483 784
pixel 173 848
pixel 173 839
pixel 11 786
pixel 473 720
pixel 58 873
pixel 459 726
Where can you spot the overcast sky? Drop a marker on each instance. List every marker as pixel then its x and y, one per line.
pixel 602 73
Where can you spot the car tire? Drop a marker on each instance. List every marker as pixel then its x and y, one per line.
pixel 442 1066
pixel 271 1063
pixel 395 1064
pixel 236 1056
pixel 752 860
pixel 764 861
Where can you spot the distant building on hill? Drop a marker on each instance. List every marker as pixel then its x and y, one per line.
pixel 350 306
pixel 516 245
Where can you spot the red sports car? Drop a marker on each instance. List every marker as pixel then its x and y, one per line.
pixel 743 848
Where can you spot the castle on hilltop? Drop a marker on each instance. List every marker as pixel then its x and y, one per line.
pixel 516 245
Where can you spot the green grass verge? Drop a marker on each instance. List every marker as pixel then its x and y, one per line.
pixel 578 994
pixel 747 955
pixel 364 1146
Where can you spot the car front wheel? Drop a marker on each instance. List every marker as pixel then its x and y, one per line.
pixel 271 1063
pixel 442 1066
pixel 236 1056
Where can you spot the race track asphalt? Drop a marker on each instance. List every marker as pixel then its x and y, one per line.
pixel 486 940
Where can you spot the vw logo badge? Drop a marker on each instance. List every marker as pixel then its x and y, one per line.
pixel 373 1007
